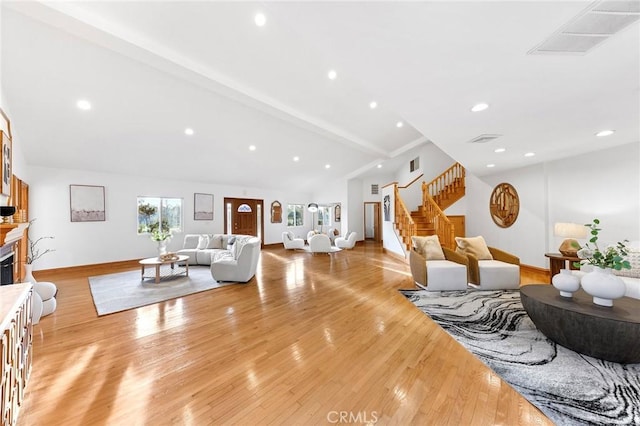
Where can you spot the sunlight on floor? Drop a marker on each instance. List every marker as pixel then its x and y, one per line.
pixel 153 319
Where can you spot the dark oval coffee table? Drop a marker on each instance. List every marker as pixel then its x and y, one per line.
pixel 577 323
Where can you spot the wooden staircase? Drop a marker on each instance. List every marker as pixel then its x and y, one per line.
pixel 429 218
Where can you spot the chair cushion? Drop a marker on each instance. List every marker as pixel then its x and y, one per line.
pixel 429 247
pixel 497 275
pixel 475 246
pixel 446 275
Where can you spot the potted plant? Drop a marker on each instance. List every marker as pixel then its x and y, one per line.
pixel 162 237
pixel 600 282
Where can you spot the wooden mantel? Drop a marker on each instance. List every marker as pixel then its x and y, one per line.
pixel 11 232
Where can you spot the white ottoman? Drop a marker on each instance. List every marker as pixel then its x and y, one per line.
pixel 46 292
pixel 446 275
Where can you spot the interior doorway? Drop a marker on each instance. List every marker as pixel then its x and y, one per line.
pixel 372 221
pixel 244 216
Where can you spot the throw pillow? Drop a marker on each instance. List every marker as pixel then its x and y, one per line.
pixel 203 242
pixel 230 242
pixel 215 241
pixel 429 247
pixel 475 246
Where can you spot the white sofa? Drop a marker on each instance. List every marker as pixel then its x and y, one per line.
pixel 202 247
pixel 238 264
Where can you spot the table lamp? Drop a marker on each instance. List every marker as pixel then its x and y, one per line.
pixel 570 231
pixel 6 212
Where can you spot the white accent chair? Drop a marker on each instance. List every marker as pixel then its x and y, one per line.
pixel 238 265
pixel 438 268
pixel 347 242
pixel 290 242
pixel 489 267
pixel 319 243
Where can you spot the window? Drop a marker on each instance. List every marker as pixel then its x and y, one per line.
pixel 414 164
pixel 295 213
pixel 156 212
pixel 324 215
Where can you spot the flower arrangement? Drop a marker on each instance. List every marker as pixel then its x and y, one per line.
pixel 611 257
pixel 160 234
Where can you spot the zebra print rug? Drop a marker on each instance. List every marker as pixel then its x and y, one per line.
pixel 569 388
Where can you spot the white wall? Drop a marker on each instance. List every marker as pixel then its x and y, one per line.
pixel 355 208
pixel 603 184
pixel 116 238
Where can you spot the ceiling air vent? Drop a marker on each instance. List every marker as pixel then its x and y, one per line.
pixel 484 138
pixel 591 27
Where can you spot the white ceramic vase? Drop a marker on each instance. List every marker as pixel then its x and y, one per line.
pixel 28 274
pixel 603 286
pixel 566 282
pixel 162 247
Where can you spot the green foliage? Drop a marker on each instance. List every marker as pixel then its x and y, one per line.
pixel 611 257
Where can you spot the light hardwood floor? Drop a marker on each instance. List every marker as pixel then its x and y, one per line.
pixel 309 339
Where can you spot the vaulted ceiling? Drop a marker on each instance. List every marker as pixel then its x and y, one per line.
pixel 152 69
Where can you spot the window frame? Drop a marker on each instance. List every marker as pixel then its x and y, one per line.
pixel 295 221
pixel 161 204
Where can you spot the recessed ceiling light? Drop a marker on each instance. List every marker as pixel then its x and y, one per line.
pixel 479 107
pixel 379 166
pixel 83 105
pixel 499 150
pixel 327 166
pixel 260 19
pixel 530 154
pixel 491 165
pixel 399 124
pixel 252 147
pixel 373 105
pixel 296 158
pixel 188 131
pixel 605 133
pixel 332 75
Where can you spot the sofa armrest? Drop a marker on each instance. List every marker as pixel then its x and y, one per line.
pixel 418 267
pixel 503 256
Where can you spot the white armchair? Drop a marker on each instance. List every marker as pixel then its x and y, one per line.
pixel 290 242
pixel 347 242
pixel 238 265
pixel 319 243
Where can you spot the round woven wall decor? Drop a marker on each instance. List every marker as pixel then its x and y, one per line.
pixel 504 205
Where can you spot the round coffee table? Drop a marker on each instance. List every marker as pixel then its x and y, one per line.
pixel 174 271
pixel 610 333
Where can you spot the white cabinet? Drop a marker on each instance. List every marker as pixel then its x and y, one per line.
pixel 15 348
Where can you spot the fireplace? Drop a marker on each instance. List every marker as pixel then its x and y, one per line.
pixel 6 266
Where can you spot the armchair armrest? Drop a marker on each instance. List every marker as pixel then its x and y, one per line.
pixel 418 265
pixel 474 270
pixel 503 256
pixel 455 257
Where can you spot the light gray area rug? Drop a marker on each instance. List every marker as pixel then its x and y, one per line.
pixel 569 388
pixel 119 292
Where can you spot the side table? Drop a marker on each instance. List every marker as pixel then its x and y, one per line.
pixel 558 261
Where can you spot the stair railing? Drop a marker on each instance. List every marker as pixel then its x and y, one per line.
pixel 404 221
pixel 443 227
pixel 448 181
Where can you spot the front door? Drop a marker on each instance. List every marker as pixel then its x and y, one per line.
pixel 244 216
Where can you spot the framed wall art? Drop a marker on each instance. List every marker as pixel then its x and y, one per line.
pixel 504 205
pixel 6 164
pixel 202 206
pixel 87 203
